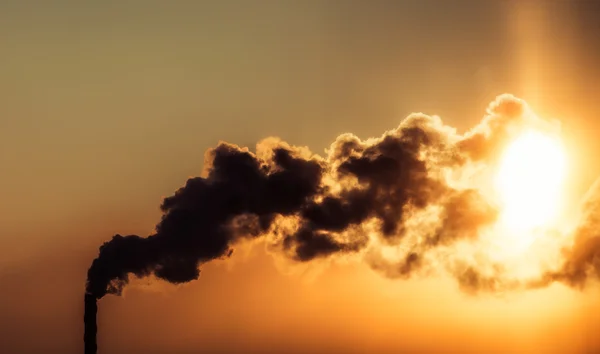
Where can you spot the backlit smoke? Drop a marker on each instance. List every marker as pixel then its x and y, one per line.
pixel 404 189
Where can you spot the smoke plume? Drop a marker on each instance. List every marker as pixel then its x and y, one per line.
pixel 405 188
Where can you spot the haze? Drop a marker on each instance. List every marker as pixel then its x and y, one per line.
pixel 107 107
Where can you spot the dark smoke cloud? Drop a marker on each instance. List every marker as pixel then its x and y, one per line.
pixel 362 196
pixel 380 179
pixel 245 195
pixel 194 228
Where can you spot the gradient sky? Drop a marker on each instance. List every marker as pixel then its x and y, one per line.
pixel 107 106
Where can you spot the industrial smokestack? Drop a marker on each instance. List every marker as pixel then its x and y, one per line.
pixel 309 206
pixel 89 319
pixel 362 194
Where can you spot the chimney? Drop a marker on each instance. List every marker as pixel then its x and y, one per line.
pixel 89 318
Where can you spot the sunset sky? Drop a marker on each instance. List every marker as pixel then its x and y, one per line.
pixel 107 107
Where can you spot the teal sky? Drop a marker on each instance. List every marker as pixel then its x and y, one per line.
pixel 106 106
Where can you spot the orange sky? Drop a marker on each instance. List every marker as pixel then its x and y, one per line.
pixel 106 108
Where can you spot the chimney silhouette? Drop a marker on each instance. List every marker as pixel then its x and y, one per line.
pixel 89 318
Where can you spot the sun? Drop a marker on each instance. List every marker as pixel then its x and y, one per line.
pixel 529 181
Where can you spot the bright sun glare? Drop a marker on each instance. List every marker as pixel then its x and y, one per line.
pixel 529 181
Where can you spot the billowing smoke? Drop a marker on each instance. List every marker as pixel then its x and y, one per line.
pixel 363 196
pixel 582 258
